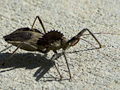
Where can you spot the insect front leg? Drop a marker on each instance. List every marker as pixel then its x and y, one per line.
pixel 40 23
pixel 73 41
pixel 85 29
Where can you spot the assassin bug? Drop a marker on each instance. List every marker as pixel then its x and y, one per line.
pixel 32 39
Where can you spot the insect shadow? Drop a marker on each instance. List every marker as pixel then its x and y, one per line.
pixel 31 61
pixel 27 61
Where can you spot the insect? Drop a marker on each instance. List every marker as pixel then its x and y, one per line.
pixel 32 39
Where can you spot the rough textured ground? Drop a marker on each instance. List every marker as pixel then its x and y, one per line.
pixel 89 68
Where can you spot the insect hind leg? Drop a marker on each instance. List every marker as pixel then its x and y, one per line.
pixel 12 53
pixel 40 23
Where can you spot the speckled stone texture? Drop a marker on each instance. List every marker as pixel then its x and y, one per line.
pixel 90 69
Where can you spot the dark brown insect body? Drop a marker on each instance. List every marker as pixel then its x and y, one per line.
pixel 34 40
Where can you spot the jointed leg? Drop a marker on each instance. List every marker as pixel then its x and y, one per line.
pixel 53 58
pixel 67 65
pixel 56 55
pixel 5 49
pixel 40 23
pixel 16 50
pixel 80 34
pixel 12 54
pixel 76 38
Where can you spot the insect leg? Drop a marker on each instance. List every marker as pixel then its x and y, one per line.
pixel 40 23
pixel 67 65
pixel 12 54
pixel 73 41
pixel 53 57
pixel 5 49
pixel 85 29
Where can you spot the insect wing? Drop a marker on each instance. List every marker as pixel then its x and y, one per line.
pixel 28 37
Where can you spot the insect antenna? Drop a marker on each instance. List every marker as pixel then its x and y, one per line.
pixel 102 33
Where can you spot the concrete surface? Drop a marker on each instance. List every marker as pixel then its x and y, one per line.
pixel 89 68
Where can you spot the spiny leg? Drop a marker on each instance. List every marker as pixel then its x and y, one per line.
pixel 12 54
pixel 40 23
